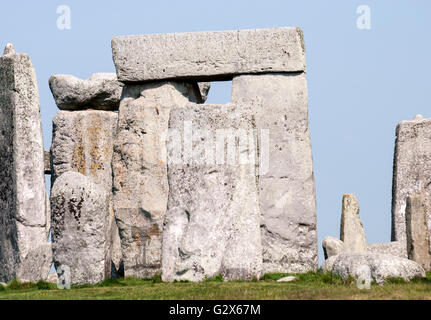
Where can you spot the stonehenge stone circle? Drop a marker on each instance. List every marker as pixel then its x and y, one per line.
pixel 79 227
pixel 148 180
pixel 412 170
pixel 25 252
pixel 212 225
pixel 208 56
pixel 418 213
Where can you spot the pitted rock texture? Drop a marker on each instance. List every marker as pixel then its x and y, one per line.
pixel 24 249
pixel 352 231
pixel 412 170
pixel 212 225
pixel 395 248
pixel 83 141
pixel 286 179
pixel 208 55
pixel 79 227
pixel 418 211
pixel 139 170
pixel 382 266
pixel 101 91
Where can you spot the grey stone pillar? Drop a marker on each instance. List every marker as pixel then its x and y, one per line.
pixel 24 249
pixel 286 180
pixel 139 169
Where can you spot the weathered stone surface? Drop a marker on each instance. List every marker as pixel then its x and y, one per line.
pixel 208 55
pixel 79 228
pixel 286 180
pixel 101 91
pixel 204 88
pixel 139 168
pixel 83 141
pixel 352 231
pixel 382 266
pixel 212 225
pixel 395 248
pixel 24 249
pixel 418 211
pixel 412 170
pixel 332 247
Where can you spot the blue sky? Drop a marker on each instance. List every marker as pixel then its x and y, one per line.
pixel 361 82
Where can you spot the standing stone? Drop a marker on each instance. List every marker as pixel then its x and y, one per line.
pixel 212 225
pixel 208 55
pixel 412 170
pixel 352 231
pixel 79 227
pixel 83 141
pixel 139 170
pixel 24 249
pixel 418 211
pixel 286 180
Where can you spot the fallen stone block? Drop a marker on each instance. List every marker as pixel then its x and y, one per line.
pixel 24 249
pixel 83 141
pixel 139 171
pixel 418 213
pixel 412 170
pixel 381 266
pixel 101 91
pixel 208 55
pixel 287 279
pixel 212 225
pixel 79 228
pixel 395 248
pixel 352 231
pixel 332 247
pixel 285 174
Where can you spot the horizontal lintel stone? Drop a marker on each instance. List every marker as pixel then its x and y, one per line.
pixel 208 56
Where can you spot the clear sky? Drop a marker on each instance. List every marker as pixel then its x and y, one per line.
pixel 361 82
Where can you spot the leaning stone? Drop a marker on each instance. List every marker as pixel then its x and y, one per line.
pixel 204 88
pixel 139 171
pixel 352 231
pixel 24 249
pixel 287 279
pixel 412 170
pixel 79 227
pixel 332 247
pixel 83 141
pixel 286 179
pixel 212 225
pixel 418 211
pixel 101 91
pixel 208 55
pixel 382 266
pixel 394 248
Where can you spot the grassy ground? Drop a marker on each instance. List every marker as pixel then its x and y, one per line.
pixel 308 286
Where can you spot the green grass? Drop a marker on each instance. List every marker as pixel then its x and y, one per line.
pixel 312 285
